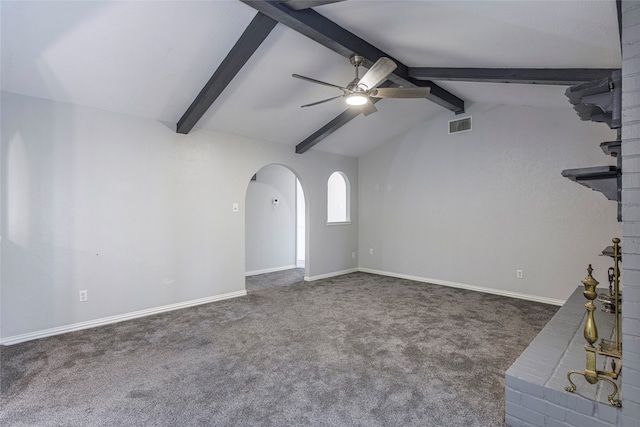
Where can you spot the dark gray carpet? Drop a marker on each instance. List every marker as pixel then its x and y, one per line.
pixel 356 350
pixel 261 282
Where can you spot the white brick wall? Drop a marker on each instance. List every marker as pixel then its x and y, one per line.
pixel 631 214
pixel 534 392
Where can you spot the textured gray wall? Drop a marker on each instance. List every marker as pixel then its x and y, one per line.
pixel 474 207
pixel 136 214
pixel 631 213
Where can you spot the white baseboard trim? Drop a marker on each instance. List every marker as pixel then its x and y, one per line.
pixel 142 313
pixel 270 270
pixel 332 274
pixel 114 319
pixel 493 291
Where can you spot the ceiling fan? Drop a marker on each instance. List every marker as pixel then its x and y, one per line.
pixel 360 90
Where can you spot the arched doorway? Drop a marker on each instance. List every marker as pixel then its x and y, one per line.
pixel 275 232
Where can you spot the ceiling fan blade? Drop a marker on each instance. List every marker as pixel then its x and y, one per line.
pixel 378 72
pixel 368 108
pixel 309 79
pixel 400 92
pixel 320 102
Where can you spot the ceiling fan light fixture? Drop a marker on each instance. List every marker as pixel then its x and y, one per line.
pixel 357 99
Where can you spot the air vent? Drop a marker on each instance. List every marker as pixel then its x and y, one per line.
pixel 460 125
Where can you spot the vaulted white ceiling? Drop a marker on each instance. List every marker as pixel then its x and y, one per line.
pixel 152 58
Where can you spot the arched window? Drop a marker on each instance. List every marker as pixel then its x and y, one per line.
pixel 338 196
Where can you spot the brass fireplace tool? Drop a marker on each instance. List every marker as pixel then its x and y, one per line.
pixel 613 301
pixel 607 347
pixel 608 300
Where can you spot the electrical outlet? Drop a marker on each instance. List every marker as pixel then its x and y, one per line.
pixel 235 207
pixel 353 255
pixel 519 274
pixel 370 251
pixel 83 296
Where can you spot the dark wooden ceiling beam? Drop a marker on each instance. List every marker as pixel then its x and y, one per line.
pixel 544 76
pixel 345 117
pixel 249 41
pixel 329 34
pixel 306 4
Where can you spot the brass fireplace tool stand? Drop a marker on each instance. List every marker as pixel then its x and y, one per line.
pixel 607 347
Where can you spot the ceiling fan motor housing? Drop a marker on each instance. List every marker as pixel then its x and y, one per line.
pixel 356 60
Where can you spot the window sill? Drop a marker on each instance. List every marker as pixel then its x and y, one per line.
pixel 339 223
